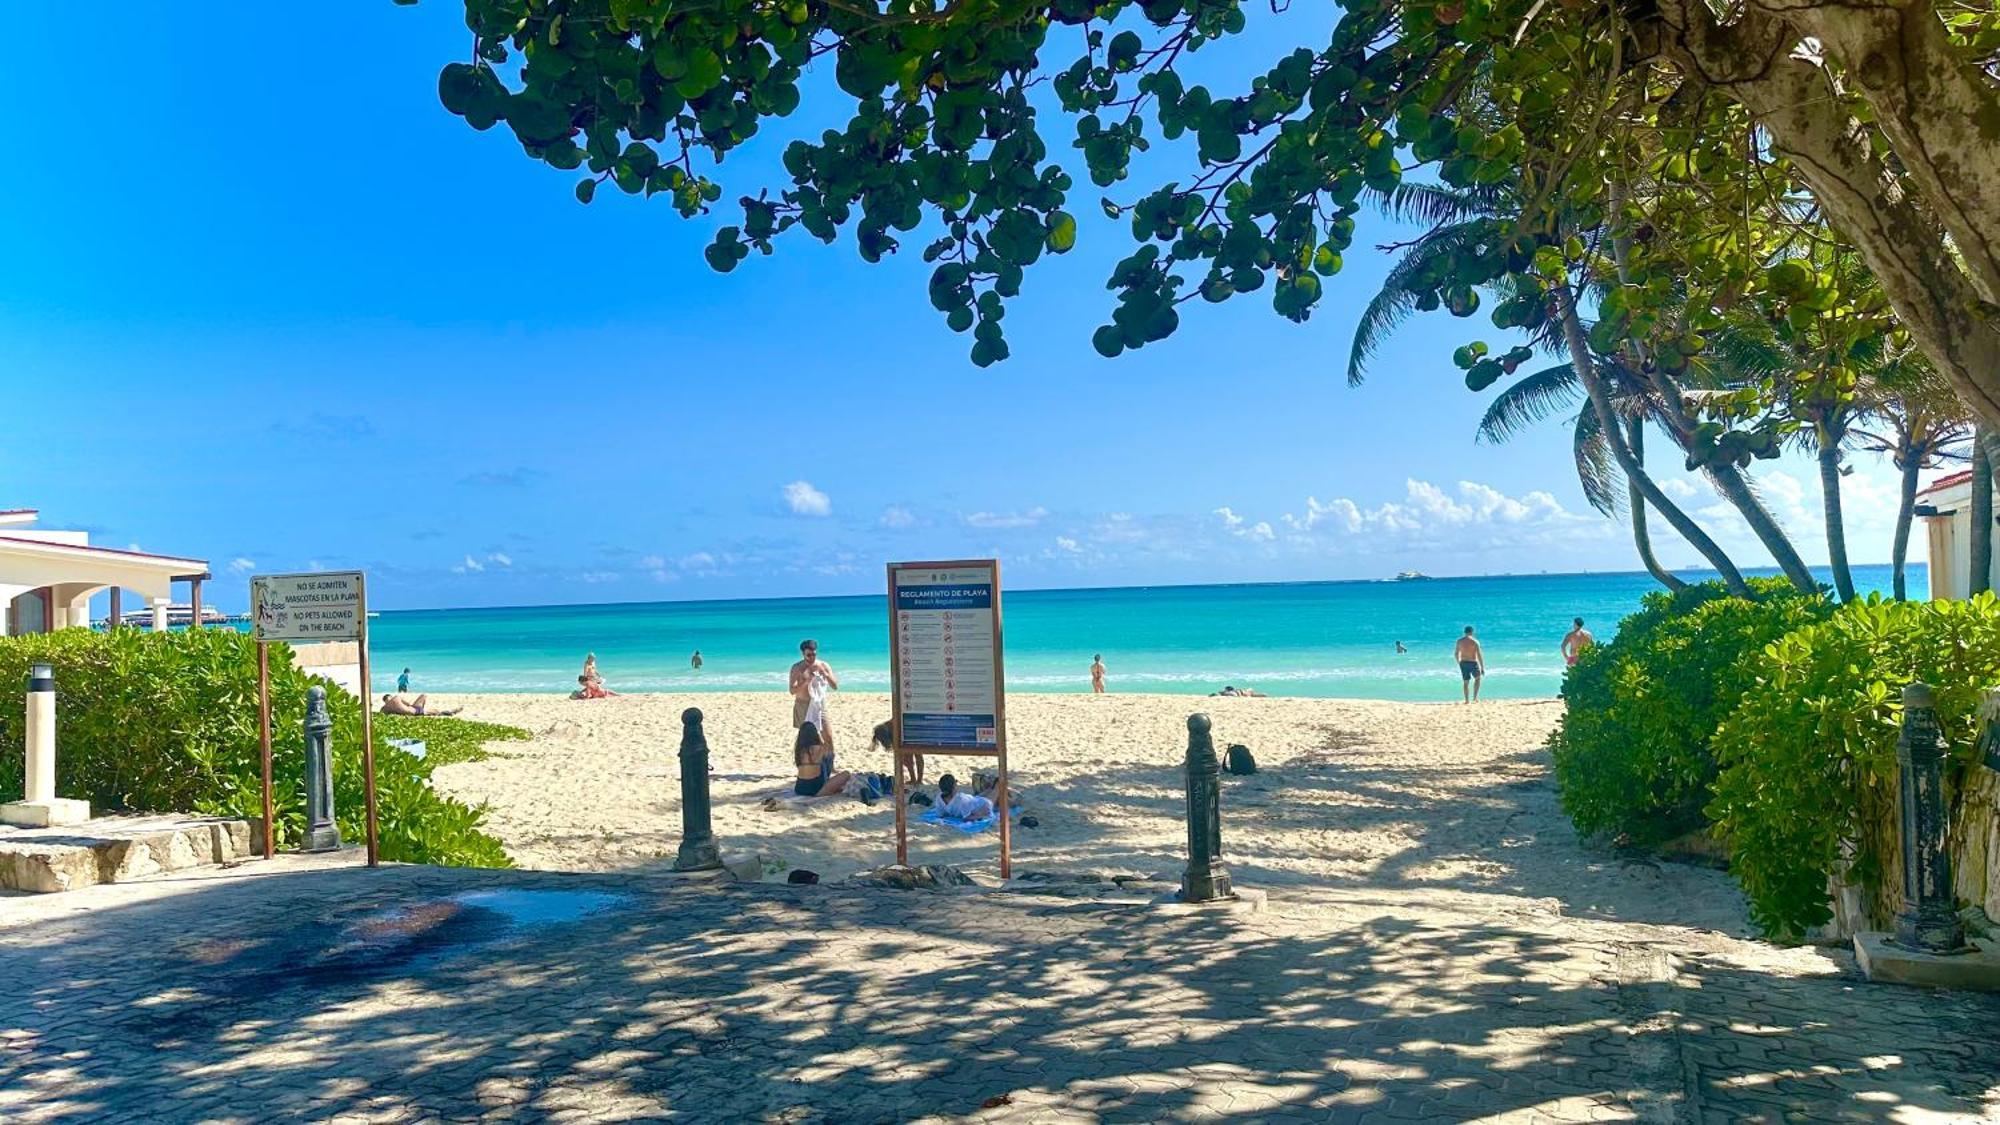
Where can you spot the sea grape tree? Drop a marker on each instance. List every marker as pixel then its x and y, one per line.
pixel 1887 114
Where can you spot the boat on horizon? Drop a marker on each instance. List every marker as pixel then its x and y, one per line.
pixel 1412 576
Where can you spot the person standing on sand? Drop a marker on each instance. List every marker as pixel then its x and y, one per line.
pixel 811 681
pixel 1471 665
pixel 1575 641
pixel 403 682
pixel 1097 675
pixel 695 662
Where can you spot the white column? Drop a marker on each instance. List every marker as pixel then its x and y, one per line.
pixel 159 614
pixel 40 807
pixel 79 613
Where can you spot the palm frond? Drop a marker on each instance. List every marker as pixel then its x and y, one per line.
pixel 1596 470
pixel 1397 298
pixel 1530 399
pixel 1438 204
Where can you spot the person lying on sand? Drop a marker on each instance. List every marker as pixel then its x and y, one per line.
pixel 814 759
pixel 959 805
pixel 588 688
pixel 397 705
pixel 1243 691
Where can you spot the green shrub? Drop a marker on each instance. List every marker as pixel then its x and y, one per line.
pixel 1809 758
pixel 1632 749
pixel 168 723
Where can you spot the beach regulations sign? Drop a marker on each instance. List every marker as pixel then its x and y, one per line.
pixel 946 683
pixel 326 606
pixel 947 654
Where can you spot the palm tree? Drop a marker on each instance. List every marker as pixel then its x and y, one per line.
pixel 1919 422
pixel 1819 399
pixel 1458 220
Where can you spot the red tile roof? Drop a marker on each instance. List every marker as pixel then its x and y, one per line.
pixel 1946 482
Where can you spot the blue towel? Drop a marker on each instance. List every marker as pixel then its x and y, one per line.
pixel 983 824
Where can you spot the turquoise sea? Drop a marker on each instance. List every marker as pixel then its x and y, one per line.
pixel 1333 639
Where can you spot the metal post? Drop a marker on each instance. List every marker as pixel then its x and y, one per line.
pixel 1206 879
pixel 698 851
pixel 1928 922
pixel 322 834
pixel 264 741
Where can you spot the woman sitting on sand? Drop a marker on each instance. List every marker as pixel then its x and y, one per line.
pixel 587 688
pixel 815 765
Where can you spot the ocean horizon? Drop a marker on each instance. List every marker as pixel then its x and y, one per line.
pixel 1331 639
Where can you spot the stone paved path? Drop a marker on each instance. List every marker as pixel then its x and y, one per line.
pixel 299 990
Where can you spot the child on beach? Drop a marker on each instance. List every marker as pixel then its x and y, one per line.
pixel 814 759
pixel 959 805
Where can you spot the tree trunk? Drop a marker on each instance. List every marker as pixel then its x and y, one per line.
pixel 1906 508
pixel 1635 436
pixel 1929 237
pixel 1836 526
pixel 1635 473
pixel 1980 577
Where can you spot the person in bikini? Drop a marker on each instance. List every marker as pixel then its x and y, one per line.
pixel 1471 665
pixel 814 759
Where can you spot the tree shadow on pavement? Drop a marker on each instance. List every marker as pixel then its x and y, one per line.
pixel 374 993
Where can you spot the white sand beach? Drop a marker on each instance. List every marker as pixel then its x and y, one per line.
pixel 1350 793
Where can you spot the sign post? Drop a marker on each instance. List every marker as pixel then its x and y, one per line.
pixel 322 606
pixel 947 682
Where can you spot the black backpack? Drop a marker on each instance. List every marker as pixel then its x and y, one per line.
pixel 1237 760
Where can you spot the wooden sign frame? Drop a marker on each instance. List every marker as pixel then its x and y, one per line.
pixel 367 714
pixel 902 749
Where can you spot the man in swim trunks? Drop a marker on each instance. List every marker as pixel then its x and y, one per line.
pixel 1471 665
pixel 1575 641
pixel 811 680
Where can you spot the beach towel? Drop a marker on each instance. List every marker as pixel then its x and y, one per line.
pixel 970 827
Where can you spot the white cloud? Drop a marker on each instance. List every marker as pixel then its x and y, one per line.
pixel 1475 517
pixel 805 500
pixel 469 566
pixel 698 562
pixel 596 577
pixel 499 560
pixel 1001 521
pixel 1067 545
pixel 896 516
pixel 1677 488
pixel 1242 528
pixel 652 562
pixel 241 565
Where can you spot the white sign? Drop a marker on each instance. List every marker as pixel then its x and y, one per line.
pixel 327 606
pixel 947 654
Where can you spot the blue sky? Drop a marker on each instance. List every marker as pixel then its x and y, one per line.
pixel 265 302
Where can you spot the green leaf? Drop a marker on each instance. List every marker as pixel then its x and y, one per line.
pixel 1062 231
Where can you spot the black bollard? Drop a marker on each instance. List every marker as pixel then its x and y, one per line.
pixel 698 852
pixel 1928 922
pixel 322 834
pixel 1206 879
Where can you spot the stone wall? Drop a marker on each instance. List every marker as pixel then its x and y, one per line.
pixel 1975 839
